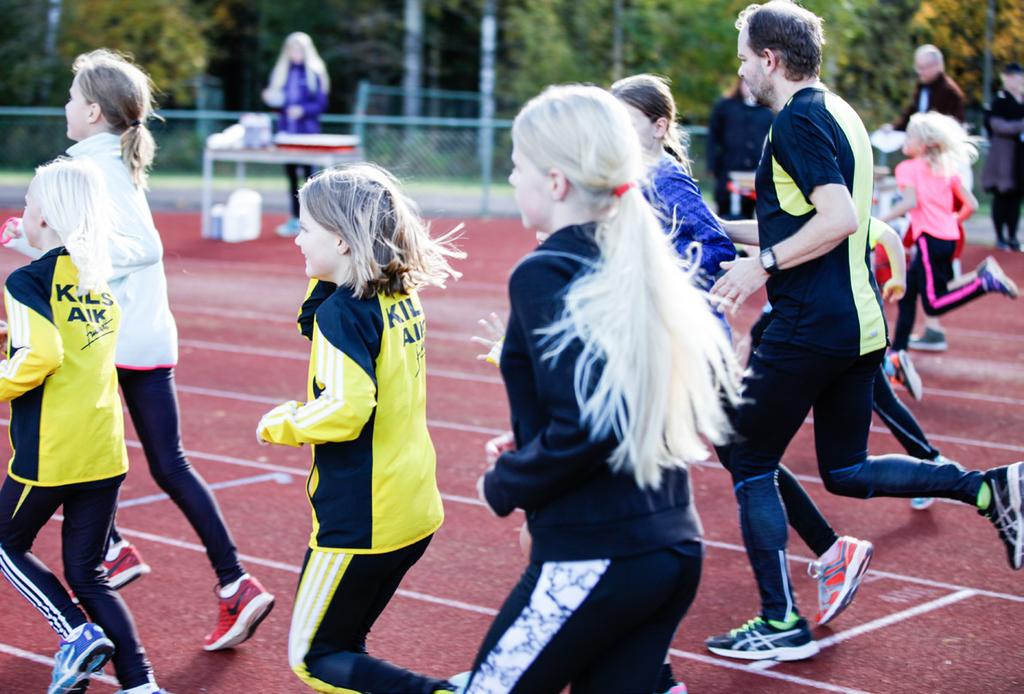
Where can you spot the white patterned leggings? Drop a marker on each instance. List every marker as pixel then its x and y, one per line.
pixel 598 625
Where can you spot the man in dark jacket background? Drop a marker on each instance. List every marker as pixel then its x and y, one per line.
pixel 736 136
pixel 936 91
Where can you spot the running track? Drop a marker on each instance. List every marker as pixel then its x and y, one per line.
pixel 939 612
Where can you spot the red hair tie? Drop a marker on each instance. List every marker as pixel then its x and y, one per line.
pixel 623 189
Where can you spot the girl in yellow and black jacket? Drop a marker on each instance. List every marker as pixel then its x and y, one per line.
pixel 67 430
pixel 372 485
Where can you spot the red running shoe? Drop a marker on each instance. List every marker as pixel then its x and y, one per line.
pixel 239 615
pixel 839 572
pixel 125 567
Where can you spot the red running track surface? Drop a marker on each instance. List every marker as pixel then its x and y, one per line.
pixel 938 612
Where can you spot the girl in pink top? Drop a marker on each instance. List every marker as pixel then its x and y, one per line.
pixel 937 145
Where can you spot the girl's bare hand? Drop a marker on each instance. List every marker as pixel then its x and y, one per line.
pixel 493 339
pixel 498 445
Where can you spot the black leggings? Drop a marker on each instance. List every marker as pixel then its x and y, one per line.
pixel 928 277
pixel 339 598
pixel 1006 214
pixel 599 625
pixel 297 175
pixel 88 514
pixel 901 421
pixel 153 406
pixel 783 383
pixel 893 413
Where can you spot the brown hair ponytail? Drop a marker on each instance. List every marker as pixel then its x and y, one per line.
pixel 124 94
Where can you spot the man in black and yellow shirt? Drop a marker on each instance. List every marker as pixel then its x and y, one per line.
pixel 826 338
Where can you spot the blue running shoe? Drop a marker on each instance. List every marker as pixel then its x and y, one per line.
pixel 994 279
pixel 1007 509
pixel 83 652
pixel 759 640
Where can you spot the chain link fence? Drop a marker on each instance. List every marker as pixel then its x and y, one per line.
pixel 433 155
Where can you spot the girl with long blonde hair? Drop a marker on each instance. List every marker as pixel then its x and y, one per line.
pixel 937 147
pixel 298 89
pixel 615 368
pixel 62 335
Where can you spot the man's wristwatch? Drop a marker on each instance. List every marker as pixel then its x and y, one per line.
pixel 768 261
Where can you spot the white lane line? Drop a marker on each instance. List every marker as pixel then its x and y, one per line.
pixel 481 378
pixel 881 623
pixel 465 607
pixel 876 573
pixel 215 458
pixel 980 397
pixel 264 400
pixel 279 477
pixel 897 617
pixel 987 334
pixel 260 317
pixel 442 424
pixel 304 357
pixel 792 679
pixel 43 660
pixel 260 561
pixel 230 395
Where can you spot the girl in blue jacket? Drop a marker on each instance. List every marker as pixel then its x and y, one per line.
pixel 298 88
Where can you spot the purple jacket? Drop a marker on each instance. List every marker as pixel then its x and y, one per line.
pixel 297 92
pixel 675 195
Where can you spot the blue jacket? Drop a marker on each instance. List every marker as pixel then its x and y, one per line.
pixel 676 197
pixel 297 92
pixel 576 507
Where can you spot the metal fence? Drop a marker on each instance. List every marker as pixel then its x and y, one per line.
pixel 468 156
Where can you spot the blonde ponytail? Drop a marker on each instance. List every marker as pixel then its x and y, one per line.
pixel 74 202
pixel 124 94
pixel 655 362
pixel 947 146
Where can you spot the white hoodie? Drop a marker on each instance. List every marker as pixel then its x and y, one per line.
pixel 149 337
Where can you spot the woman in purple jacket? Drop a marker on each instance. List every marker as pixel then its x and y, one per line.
pixel 298 89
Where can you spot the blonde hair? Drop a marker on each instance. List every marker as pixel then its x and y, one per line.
pixel 392 250
pixel 124 94
pixel 655 363
pixel 314 64
pixel 947 146
pixel 651 96
pixel 73 199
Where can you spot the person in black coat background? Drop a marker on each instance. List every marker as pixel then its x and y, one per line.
pixel 736 136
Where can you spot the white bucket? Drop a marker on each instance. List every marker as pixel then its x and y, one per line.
pixel 242 216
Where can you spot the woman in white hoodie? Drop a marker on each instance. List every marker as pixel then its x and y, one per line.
pixel 108 105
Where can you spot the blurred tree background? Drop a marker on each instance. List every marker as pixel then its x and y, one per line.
pixel 218 53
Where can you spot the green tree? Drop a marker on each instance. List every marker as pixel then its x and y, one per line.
pixel 958 29
pixel 875 69
pixel 162 36
pixel 26 67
